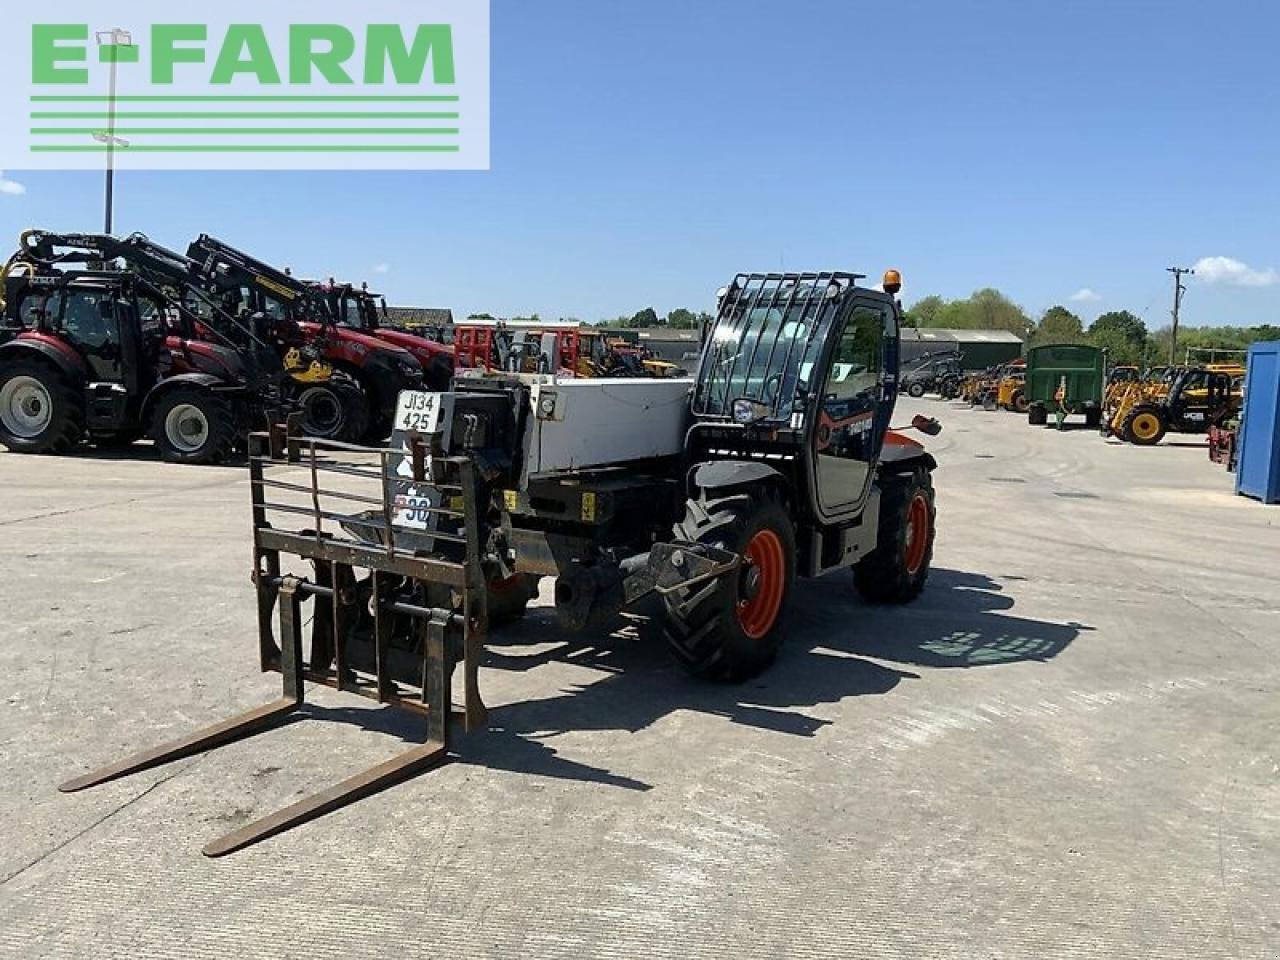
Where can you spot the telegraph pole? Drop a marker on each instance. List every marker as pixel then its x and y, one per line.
pixel 1179 288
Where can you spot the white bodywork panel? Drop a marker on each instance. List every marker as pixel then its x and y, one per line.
pixel 581 423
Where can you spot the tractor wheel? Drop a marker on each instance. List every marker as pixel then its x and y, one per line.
pixel 1145 426
pixel 1093 417
pixel 1037 415
pixel 727 629
pixel 508 600
pixel 39 411
pixel 1019 404
pixel 335 409
pixel 191 425
pixel 896 570
pixel 915 389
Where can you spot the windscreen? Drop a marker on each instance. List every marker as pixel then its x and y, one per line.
pixel 760 343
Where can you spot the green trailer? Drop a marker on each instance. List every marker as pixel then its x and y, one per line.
pixel 1065 379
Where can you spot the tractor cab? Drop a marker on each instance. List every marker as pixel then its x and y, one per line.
pixel 92 323
pixel 800 372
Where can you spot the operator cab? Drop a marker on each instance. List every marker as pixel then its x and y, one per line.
pixel 801 371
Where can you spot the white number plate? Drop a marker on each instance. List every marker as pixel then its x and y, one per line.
pixel 412 509
pixel 418 411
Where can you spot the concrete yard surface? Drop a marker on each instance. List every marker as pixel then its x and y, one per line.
pixel 1069 746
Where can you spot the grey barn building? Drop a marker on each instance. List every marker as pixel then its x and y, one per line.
pixel 978 348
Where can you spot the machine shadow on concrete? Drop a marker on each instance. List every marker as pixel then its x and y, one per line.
pixel 837 647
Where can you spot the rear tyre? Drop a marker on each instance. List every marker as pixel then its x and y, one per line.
pixel 726 629
pixel 1093 417
pixel 335 409
pixel 1145 427
pixel 896 570
pixel 1019 402
pixel 1037 415
pixel 193 426
pixel 39 411
pixel 915 390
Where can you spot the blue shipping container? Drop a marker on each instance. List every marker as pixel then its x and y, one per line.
pixel 1258 466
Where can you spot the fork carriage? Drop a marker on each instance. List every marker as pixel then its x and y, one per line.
pixel 394 636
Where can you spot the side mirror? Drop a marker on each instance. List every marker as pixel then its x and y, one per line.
pixel 929 426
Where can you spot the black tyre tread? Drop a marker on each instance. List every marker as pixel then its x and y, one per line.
pixel 222 427
pixel 355 407
pixel 1037 415
pixel 67 429
pixel 702 628
pixel 1126 429
pixel 881 576
pixel 1093 417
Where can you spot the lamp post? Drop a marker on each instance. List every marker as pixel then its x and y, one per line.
pixel 115 37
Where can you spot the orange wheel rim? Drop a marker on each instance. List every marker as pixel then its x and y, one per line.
pixel 917 533
pixel 758 615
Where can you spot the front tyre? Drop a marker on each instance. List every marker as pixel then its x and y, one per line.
pixel 1145 427
pixel 335 409
pixel 896 570
pixel 39 411
pixel 726 629
pixel 191 425
pixel 916 390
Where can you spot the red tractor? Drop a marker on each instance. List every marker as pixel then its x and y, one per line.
pixel 109 357
pixel 359 402
pixel 361 309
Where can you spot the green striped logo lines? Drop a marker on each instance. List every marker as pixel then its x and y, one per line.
pixel 228 123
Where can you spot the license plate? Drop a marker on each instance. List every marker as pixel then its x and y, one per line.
pixel 412 509
pixel 418 411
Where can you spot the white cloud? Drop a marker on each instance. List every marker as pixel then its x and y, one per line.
pixel 382 268
pixel 12 187
pixel 1234 273
pixel 1085 295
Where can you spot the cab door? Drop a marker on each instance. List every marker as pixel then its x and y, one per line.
pixel 89 322
pixel 854 406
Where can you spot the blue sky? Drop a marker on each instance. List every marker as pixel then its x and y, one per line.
pixel 643 153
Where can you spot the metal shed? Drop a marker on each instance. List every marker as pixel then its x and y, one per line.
pixel 1258 464
pixel 978 348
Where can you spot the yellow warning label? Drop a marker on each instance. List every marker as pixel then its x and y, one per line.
pixel 589 507
pixel 509 499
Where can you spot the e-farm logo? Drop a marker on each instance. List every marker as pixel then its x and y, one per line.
pixel 282 85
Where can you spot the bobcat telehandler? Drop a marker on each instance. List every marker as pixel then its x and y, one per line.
pixel 776 461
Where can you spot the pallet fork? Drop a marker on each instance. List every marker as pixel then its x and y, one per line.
pixel 449 634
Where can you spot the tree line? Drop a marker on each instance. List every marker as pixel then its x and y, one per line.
pixel 1121 333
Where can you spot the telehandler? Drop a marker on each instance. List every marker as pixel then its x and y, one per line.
pixel 714 493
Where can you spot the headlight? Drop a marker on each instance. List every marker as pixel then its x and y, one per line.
pixel 749 411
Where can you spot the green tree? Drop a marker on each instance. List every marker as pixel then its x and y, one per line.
pixel 682 319
pixel 992 310
pixel 1123 336
pixel 648 317
pixel 1058 325
pixel 924 313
